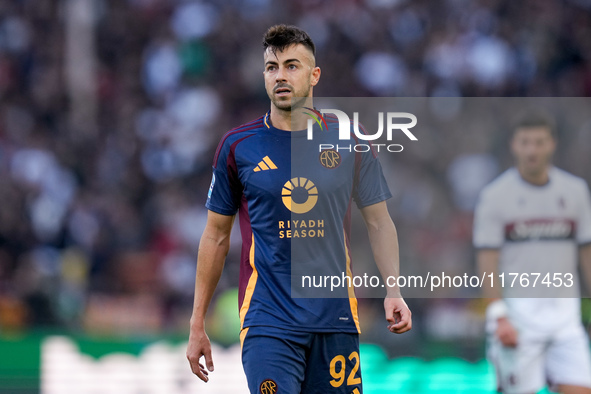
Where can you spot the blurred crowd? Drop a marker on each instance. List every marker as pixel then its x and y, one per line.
pixel 102 190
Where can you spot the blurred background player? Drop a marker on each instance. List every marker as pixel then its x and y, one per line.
pixel 291 345
pixel 536 218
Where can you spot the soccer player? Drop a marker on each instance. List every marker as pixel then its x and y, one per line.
pixel 535 219
pixel 293 205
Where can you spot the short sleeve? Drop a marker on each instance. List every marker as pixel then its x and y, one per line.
pixel 584 222
pixel 225 190
pixel 370 185
pixel 488 231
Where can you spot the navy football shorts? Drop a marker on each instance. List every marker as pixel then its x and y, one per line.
pixel 279 361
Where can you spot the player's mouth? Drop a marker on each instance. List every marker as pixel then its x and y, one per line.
pixel 282 91
pixel 533 160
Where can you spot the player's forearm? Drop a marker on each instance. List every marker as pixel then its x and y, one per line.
pixel 585 261
pixel 488 262
pixel 213 249
pixel 384 244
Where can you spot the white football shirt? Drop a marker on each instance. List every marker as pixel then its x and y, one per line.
pixel 538 230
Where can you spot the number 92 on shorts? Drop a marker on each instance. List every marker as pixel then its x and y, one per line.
pixel 280 361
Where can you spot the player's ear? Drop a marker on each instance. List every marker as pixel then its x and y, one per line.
pixel 513 143
pixel 552 144
pixel 315 76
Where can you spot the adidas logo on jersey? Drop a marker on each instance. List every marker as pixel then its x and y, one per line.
pixel 265 164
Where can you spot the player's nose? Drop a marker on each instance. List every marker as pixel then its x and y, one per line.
pixel 281 75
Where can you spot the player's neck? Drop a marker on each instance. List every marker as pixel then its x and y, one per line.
pixel 280 119
pixel 538 178
pixel 289 120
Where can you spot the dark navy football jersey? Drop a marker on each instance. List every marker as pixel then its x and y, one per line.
pixel 294 203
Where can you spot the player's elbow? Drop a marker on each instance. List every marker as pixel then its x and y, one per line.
pixel 381 225
pixel 214 236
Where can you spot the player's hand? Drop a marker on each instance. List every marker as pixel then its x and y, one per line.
pixel 199 345
pixel 506 333
pixel 398 315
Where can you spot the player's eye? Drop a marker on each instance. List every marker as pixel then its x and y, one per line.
pixel 292 66
pixel 270 68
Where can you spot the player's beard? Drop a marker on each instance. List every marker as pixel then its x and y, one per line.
pixel 537 167
pixel 297 100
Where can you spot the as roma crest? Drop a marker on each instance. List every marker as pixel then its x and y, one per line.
pixel 330 158
pixel 268 387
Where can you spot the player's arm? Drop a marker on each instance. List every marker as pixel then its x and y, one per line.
pixel 488 239
pixel 213 248
pixel 384 244
pixel 585 261
pixel 488 263
pixel 584 237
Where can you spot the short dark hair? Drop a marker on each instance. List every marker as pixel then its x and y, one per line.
pixel 279 37
pixel 535 120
